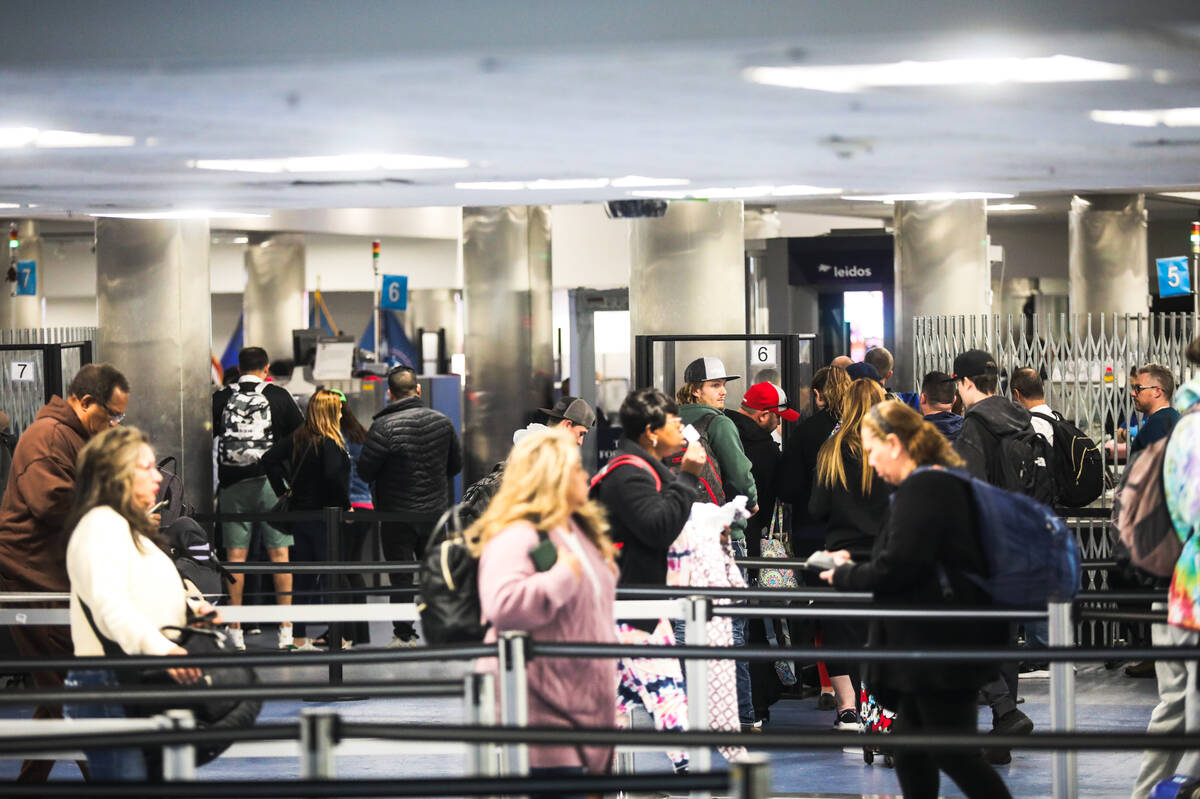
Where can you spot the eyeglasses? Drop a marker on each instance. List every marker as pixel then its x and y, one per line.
pixel 114 419
pixel 1137 389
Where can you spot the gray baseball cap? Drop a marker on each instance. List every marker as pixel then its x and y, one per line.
pixel 703 369
pixel 574 409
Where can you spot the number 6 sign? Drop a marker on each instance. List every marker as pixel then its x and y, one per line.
pixel 764 354
pixel 394 293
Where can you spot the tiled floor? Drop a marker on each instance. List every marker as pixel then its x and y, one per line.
pixel 1106 700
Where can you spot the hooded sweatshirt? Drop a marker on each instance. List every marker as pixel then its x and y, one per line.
pixel 726 450
pixel 948 424
pixel 985 422
pixel 1181 483
pixel 41 486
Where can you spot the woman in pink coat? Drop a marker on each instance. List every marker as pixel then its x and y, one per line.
pixel 563 592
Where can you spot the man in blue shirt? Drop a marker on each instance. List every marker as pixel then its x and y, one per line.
pixel 1152 389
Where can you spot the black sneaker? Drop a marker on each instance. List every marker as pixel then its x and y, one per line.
pixel 996 756
pixel 848 721
pixel 1014 722
pixel 826 701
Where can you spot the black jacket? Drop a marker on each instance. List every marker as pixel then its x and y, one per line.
pixel 410 455
pixel 479 495
pixel 764 457
pixel 983 423
pixel 285 418
pixel 644 521
pixel 318 473
pixel 948 424
pixel 799 463
pixel 931 521
pixel 851 520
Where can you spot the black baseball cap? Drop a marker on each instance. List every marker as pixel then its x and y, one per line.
pixel 974 363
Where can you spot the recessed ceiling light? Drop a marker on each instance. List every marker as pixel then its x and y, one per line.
pixel 1011 207
pixel 11 205
pixel 952 72
pixel 11 138
pixel 357 162
pixel 1150 118
pixel 928 195
pixel 738 192
pixel 178 214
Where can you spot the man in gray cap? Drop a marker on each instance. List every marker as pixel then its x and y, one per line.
pixel 573 414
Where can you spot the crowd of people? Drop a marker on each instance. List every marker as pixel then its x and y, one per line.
pixel 872 479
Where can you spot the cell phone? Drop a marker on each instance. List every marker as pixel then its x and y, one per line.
pixel 690 434
pixel 544 555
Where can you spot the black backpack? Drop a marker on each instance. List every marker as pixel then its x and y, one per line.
pixel 449 582
pixel 1021 463
pixel 195 559
pixel 711 488
pixel 170 493
pixel 1077 466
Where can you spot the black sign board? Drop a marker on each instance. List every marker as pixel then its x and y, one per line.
pixel 841 261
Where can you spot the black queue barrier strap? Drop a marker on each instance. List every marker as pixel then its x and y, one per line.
pixel 186 694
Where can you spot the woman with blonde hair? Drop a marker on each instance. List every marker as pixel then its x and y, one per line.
pixel 547 567
pixel 928 546
pixel 850 503
pixel 313 465
pixel 124 586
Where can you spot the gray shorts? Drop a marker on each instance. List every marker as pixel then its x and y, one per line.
pixel 249 496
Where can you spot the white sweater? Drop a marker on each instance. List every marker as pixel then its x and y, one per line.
pixel 131 593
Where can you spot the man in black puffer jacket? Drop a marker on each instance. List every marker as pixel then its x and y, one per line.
pixel 410 456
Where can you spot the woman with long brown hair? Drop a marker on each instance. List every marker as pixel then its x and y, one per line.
pixel 312 463
pixel 124 586
pixel 356 532
pixel 547 567
pixel 928 546
pixel 850 503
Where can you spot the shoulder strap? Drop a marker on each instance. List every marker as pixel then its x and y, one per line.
pixel 621 460
pixel 111 647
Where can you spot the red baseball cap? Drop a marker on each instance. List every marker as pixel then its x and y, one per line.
pixel 769 397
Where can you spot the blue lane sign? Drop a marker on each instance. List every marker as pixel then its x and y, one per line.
pixel 1173 277
pixel 394 294
pixel 26 278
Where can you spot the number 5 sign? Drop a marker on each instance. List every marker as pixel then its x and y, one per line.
pixel 394 294
pixel 1173 277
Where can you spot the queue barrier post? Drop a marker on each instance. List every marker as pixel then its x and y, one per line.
pixel 318 737
pixel 624 763
pixel 332 519
pixel 178 760
pixel 1064 764
pixel 696 634
pixel 514 697
pixel 479 708
pixel 750 777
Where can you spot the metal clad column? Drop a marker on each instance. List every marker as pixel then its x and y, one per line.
pixel 941 268
pixel 24 312
pixel 276 299
pixel 510 360
pixel 1108 254
pixel 151 276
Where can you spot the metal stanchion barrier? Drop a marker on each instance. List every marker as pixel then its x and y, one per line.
pixel 318 737
pixel 696 634
pixel 1064 765
pixel 750 777
pixel 333 518
pixel 514 698
pixel 178 758
pixel 479 707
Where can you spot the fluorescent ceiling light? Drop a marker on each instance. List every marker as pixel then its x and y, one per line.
pixel 358 162
pixel 178 214
pixel 11 138
pixel 1181 195
pixel 738 192
pixel 928 195
pixel 11 205
pixel 1150 118
pixel 629 181
pixel 1011 207
pixel 952 72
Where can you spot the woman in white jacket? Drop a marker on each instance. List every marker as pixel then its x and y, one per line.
pixel 121 577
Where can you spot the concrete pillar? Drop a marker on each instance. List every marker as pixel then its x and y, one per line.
pixel 509 353
pixel 23 312
pixel 276 300
pixel 152 288
pixel 941 268
pixel 1108 255
pixel 688 276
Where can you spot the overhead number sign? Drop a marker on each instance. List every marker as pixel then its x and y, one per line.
pixel 394 293
pixel 1173 277
pixel 21 372
pixel 26 278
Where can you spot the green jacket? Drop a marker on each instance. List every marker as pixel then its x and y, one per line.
pixel 726 449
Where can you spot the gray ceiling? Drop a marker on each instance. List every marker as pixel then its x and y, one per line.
pixel 526 90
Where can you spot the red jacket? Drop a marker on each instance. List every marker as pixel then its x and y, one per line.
pixel 41 487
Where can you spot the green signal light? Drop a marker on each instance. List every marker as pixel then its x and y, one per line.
pixel 13 244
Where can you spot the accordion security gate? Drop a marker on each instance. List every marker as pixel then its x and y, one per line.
pixel 1085 362
pixel 22 400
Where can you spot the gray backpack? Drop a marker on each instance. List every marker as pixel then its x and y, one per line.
pixel 247 423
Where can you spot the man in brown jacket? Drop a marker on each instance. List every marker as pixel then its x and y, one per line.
pixel 41 484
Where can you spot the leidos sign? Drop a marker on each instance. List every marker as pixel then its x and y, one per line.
pixel 841 261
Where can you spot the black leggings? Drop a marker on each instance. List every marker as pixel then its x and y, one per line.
pixel 309 543
pixel 954 713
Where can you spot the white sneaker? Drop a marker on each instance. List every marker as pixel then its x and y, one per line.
pixel 285 637
pixel 237 638
pixel 403 643
pixel 307 646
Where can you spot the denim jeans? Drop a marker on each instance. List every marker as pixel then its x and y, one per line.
pixel 745 696
pixel 105 764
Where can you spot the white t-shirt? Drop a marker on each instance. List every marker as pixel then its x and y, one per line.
pixel 131 593
pixel 1041 426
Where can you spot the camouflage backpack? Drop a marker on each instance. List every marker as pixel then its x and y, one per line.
pixel 247 423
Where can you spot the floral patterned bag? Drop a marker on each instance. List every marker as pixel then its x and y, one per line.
pixel 775 545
